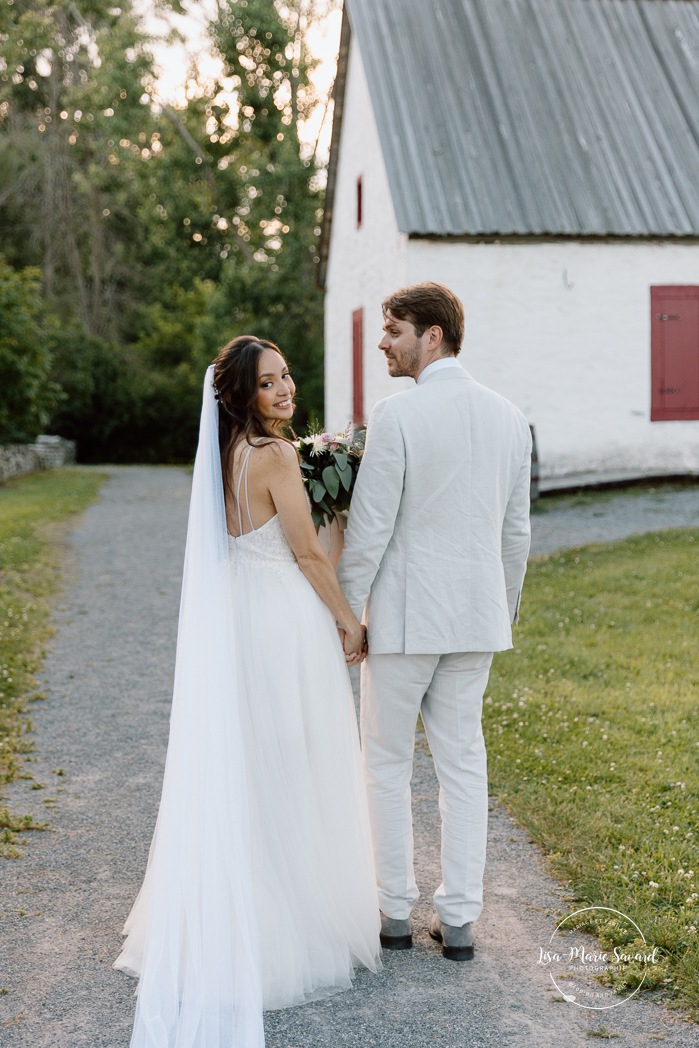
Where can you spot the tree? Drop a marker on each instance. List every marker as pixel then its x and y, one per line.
pixel 272 288
pixel 71 109
pixel 27 396
pixel 160 232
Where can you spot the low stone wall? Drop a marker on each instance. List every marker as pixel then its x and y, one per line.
pixel 47 453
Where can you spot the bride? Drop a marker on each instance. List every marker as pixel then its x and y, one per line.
pixel 260 888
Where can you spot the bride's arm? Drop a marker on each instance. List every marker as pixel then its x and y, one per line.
pixel 283 477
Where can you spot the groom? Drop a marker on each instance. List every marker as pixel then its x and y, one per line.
pixel 436 548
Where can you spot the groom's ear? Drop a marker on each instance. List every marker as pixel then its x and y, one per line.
pixel 435 336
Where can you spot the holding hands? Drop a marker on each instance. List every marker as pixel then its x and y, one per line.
pixel 354 643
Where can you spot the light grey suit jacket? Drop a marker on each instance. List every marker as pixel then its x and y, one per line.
pixel 438 533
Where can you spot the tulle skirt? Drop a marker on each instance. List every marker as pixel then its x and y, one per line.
pixel 259 888
pixel 312 867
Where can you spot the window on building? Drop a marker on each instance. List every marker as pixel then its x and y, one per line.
pixel 360 202
pixel 674 330
pixel 358 367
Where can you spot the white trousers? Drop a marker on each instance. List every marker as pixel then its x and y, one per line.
pixel 448 691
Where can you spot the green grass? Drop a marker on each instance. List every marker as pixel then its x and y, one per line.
pixel 592 728
pixel 31 510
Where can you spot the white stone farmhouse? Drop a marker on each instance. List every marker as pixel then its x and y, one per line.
pixel 540 157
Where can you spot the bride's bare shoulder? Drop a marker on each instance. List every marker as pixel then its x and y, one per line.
pixel 277 454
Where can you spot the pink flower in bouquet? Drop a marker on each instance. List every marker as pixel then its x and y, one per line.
pixel 329 462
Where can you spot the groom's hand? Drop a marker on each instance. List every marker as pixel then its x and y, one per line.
pixel 359 657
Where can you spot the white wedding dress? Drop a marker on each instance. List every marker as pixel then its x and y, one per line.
pixel 260 887
pixel 313 871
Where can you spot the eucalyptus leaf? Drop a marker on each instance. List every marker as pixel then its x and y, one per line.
pixel 318 490
pixel 321 512
pixel 331 481
pixel 342 460
pixel 346 477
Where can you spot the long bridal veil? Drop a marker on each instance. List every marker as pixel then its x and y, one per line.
pixel 191 935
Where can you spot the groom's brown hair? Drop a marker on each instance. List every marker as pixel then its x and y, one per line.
pixel 427 304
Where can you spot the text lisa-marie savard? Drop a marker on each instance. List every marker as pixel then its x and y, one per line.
pixel 585 956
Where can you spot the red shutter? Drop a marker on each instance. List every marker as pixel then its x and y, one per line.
pixel 674 338
pixel 358 367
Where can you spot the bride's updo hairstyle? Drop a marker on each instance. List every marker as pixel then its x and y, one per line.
pixel 236 385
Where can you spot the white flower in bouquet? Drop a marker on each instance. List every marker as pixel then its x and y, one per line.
pixel 329 462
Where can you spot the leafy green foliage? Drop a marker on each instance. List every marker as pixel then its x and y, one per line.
pixel 329 466
pixel 272 286
pixel 28 396
pixel 72 116
pixel 160 233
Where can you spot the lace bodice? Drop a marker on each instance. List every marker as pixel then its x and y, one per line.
pixel 265 545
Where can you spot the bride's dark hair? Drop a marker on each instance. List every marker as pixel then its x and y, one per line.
pixel 236 384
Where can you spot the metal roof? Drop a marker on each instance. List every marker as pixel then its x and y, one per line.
pixel 535 117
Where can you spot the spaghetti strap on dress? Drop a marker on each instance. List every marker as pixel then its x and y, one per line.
pixel 243 475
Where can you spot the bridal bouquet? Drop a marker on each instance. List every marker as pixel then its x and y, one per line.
pixel 329 462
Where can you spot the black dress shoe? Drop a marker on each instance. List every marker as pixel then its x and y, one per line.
pixel 457 943
pixel 395 935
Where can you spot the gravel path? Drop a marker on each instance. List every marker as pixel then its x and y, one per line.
pixel 576 520
pixel 109 676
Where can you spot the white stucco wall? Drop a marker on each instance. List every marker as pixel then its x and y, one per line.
pixel 364 265
pixel 563 330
